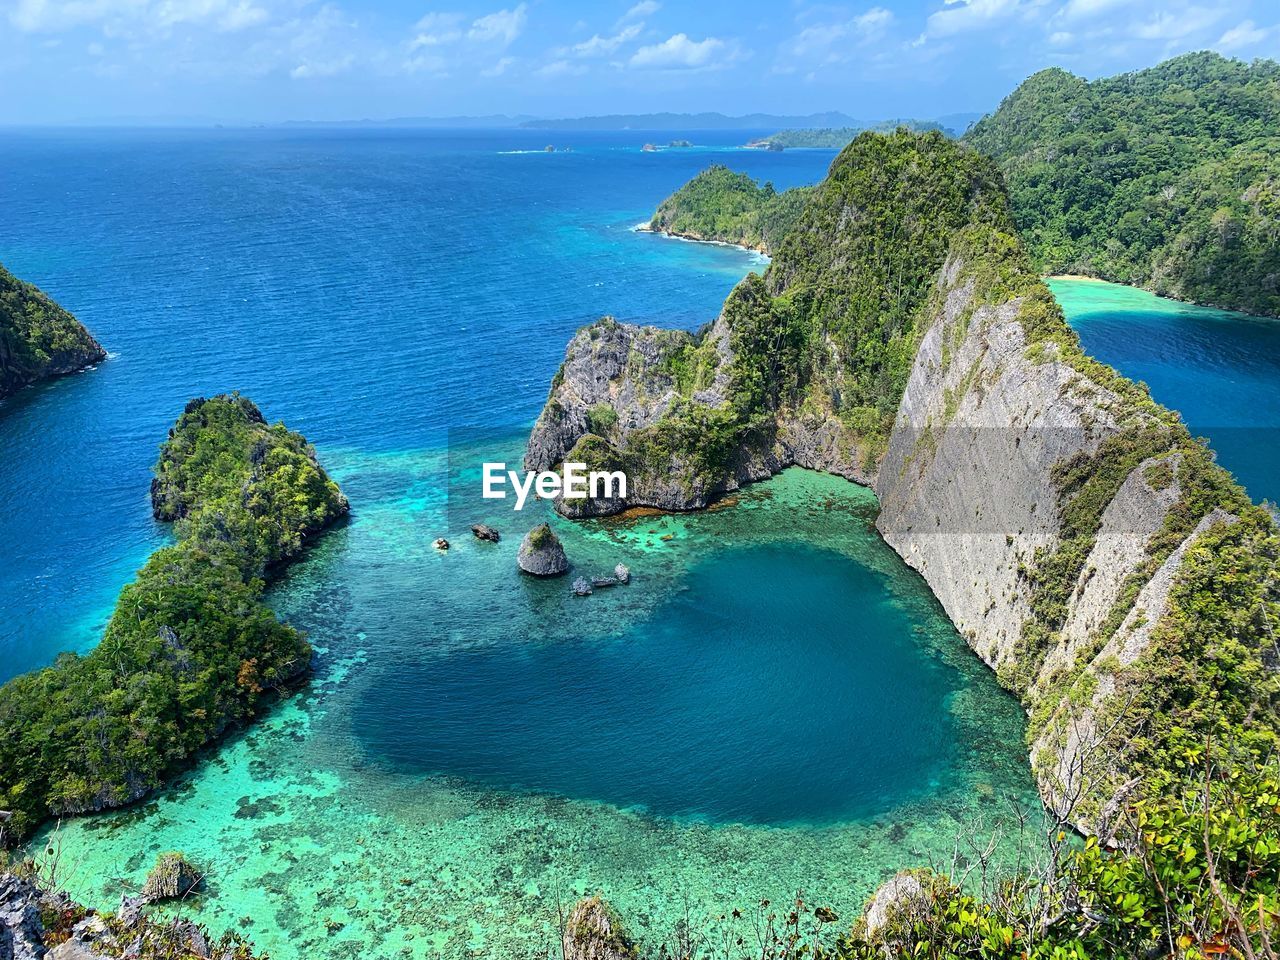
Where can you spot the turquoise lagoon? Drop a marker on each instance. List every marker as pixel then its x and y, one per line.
pixel 775 704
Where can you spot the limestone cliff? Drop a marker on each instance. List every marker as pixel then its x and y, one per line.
pixel 38 339
pixel 1086 547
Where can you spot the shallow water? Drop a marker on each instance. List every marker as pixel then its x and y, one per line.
pixel 1217 368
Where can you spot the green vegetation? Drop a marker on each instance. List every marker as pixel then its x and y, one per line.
pixel 729 207
pixel 1164 178
pixel 191 649
pixel 38 338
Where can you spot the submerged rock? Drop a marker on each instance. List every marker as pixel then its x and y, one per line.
pixel 172 877
pixel 485 532
pixel 581 587
pixel 594 931
pixel 623 573
pixel 541 553
pixel 605 581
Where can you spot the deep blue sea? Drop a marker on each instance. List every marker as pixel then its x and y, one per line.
pixel 776 702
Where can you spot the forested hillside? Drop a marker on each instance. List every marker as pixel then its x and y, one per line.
pixel 1165 178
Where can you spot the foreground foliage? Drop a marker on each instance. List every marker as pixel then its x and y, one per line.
pixel 1165 178
pixel 191 649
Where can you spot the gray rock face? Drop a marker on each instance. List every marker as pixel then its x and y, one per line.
pixel 623 573
pixel 595 932
pixel 21 931
pixel 616 380
pixel 581 587
pixel 541 554
pixel 483 531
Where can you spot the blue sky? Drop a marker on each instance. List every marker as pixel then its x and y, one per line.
pixel 263 60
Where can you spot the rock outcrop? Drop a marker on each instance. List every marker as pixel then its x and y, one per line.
pixel 541 553
pixel 594 931
pixel 39 339
pixel 170 879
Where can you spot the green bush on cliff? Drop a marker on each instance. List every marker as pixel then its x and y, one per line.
pixel 1165 178
pixel 191 649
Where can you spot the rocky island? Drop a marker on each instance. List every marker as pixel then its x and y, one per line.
pixel 1089 550
pixel 726 207
pixel 39 340
pixel 191 649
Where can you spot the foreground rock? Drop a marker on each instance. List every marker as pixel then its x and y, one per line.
pixel 170 879
pixel 39 339
pixel 541 554
pixel 581 587
pixel 594 931
pixel 38 925
pixel 623 573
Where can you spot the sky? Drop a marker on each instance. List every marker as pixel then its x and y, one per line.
pixel 69 61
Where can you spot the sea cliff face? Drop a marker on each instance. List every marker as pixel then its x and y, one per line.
pixel 1076 535
pixel 38 339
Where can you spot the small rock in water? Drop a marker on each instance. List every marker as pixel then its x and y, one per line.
pixel 623 573
pixel 605 581
pixel 442 543
pixel 172 877
pixel 581 587
pixel 541 553
pixel 485 532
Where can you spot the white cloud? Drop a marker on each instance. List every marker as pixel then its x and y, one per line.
pixel 599 46
pixel 1060 38
pixel 678 52
pixel 499 68
pixel 833 39
pixel 118 17
pixel 560 68
pixel 502 26
pixel 1176 26
pixel 961 16
pixel 437 30
pixel 645 8
pixel 1079 9
pixel 322 68
pixel 1244 34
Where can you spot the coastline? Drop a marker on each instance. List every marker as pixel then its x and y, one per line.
pixel 690 238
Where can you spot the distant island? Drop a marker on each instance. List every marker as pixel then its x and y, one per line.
pixel 726 207
pixel 692 121
pixel 38 338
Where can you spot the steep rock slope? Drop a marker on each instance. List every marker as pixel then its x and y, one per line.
pixel 1088 549
pixel 38 339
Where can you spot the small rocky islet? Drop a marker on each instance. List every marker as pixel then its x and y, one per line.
pixel 39 340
